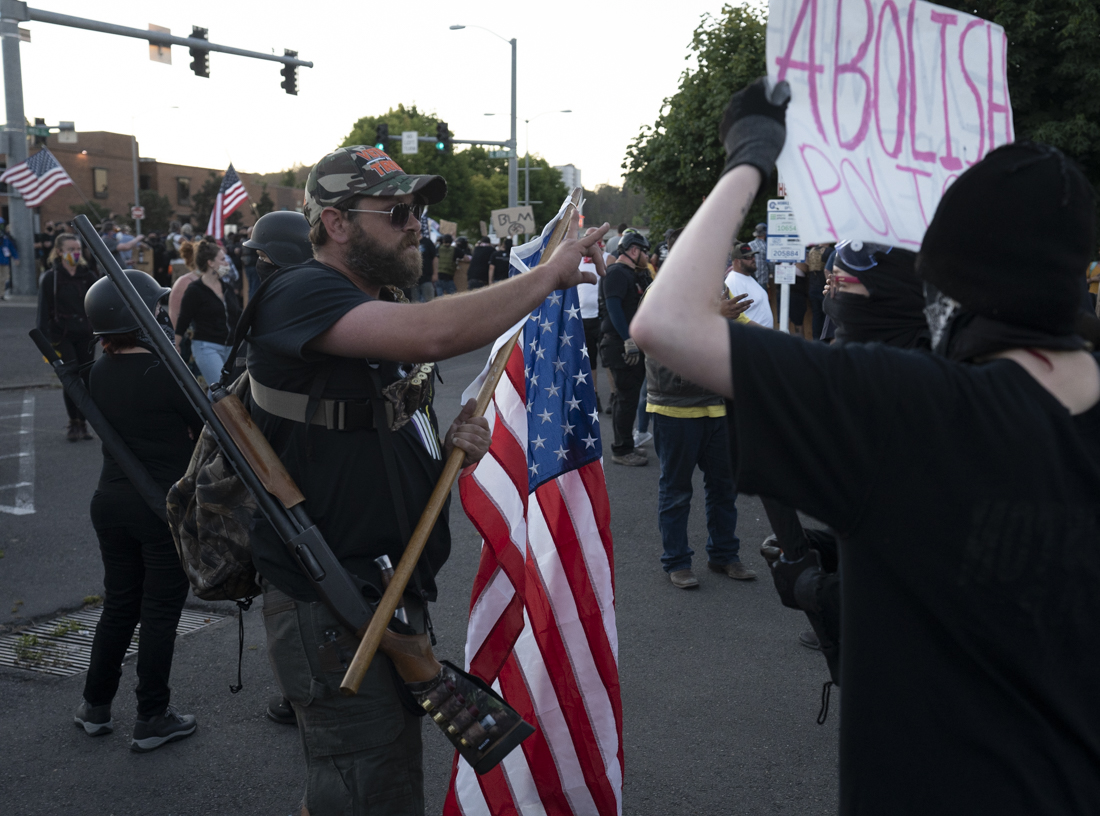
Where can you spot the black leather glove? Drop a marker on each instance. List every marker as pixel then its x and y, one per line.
pixel 754 126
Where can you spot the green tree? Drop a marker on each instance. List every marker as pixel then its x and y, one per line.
pixel 265 204
pixel 1053 71
pixel 202 201
pixel 615 205
pixel 676 161
pixel 547 189
pixel 96 213
pixel 158 211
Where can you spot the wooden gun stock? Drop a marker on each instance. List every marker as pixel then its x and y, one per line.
pixel 254 446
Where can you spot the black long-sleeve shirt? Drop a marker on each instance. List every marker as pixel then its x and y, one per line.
pixel 61 302
pixel 214 320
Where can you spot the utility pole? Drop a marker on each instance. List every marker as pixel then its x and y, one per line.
pixel 13 12
pixel 513 163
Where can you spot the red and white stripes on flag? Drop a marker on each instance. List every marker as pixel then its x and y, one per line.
pixel 231 195
pixel 37 178
pixel 542 614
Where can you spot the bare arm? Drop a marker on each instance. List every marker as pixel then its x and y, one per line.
pixel 677 322
pixel 446 327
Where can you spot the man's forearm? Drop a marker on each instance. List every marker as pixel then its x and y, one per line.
pixel 677 322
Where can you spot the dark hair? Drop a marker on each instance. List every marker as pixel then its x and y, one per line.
pixel 206 252
pixel 114 343
pixel 318 235
pixel 622 227
pixel 447 239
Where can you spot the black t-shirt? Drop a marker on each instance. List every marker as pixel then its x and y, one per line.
pixel 341 473
pixel 966 501
pixel 138 396
pixel 501 262
pixel 479 263
pixel 427 254
pixel 626 284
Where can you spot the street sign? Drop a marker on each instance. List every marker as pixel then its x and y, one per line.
pixel 67 137
pixel 784 245
pixel 410 142
pixel 785 273
pixel 513 221
pixel 501 154
pixel 38 130
pixel 160 53
pixel 137 213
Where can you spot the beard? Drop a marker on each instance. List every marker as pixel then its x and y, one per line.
pixel 378 266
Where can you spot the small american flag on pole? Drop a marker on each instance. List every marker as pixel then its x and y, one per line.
pixel 231 195
pixel 542 614
pixel 37 178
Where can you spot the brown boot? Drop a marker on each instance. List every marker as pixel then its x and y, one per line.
pixel 73 434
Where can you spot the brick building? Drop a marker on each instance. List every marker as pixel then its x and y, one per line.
pixel 101 166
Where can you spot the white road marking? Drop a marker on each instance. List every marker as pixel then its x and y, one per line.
pixel 23 503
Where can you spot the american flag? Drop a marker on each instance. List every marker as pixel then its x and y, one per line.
pixel 37 178
pixel 231 195
pixel 542 612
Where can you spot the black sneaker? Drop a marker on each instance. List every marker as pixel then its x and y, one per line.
pixel 152 732
pixel 95 720
pixel 280 710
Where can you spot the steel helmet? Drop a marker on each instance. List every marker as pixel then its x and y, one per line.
pixel 632 238
pixel 283 236
pixel 108 312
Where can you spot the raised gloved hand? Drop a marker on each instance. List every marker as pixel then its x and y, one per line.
pixel 754 126
pixel 630 353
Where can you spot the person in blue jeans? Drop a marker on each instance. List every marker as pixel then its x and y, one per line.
pixel 690 430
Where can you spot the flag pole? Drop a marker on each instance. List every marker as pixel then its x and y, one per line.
pixel 371 639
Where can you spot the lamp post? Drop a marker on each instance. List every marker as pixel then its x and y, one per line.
pixel 513 163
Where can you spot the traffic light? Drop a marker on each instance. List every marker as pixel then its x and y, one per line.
pixel 290 74
pixel 200 57
pixel 39 139
pixel 442 136
pixel 382 136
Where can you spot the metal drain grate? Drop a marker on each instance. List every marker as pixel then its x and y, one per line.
pixel 63 646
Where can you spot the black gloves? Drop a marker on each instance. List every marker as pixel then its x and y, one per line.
pixel 754 126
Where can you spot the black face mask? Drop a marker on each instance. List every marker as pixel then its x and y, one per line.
pixel 264 268
pixel 892 314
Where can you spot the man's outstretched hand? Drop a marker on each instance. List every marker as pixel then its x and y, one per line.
pixel 736 306
pixel 567 258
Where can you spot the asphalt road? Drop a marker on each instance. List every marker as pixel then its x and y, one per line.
pixel 719 699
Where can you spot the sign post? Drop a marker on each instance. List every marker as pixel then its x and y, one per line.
pixel 785 248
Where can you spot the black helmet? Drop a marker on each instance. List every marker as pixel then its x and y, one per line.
pixel 632 239
pixel 283 236
pixel 108 312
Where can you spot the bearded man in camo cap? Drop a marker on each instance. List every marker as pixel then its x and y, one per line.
pixel 326 335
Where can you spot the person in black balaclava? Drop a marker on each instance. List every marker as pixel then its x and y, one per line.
pixel 279 239
pixel 874 296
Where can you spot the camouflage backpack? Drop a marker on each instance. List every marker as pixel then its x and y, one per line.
pixel 210 513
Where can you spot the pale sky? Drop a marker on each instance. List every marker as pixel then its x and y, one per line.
pixel 611 63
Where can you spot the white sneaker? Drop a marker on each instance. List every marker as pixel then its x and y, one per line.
pixel 642 438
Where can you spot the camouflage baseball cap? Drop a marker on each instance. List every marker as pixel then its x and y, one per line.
pixel 361 170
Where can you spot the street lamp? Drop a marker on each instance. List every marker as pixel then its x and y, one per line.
pixel 513 164
pixel 527 150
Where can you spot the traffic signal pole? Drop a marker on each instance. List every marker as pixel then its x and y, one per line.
pixel 14 12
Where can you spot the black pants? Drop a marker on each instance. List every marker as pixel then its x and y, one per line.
pixel 145 583
pixel 624 405
pixel 817 302
pixel 81 348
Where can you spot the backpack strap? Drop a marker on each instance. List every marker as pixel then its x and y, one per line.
pixel 244 323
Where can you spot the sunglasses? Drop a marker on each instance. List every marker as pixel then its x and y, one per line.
pixel 399 214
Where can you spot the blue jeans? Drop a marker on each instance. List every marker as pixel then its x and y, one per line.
pixel 642 421
pixel 210 357
pixel 445 286
pixel 682 445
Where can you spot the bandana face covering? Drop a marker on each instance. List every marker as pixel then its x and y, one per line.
pixel 165 323
pixel 72 258
pixel 891 311
pixel 264 268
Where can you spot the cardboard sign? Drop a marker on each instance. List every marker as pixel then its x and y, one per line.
pixel 448 227
pixel 890 102
pixel 513 221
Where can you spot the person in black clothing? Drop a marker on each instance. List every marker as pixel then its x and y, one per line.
pixel 143 579
pixel 501 261
pixel 620 293
pixel 429 270
pixel 213 307
pixel 61 315
pixel 477 275
pixel 962 484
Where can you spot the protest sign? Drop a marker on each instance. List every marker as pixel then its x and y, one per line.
pixel 890 103
pixel 448 227
pixel 513 221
